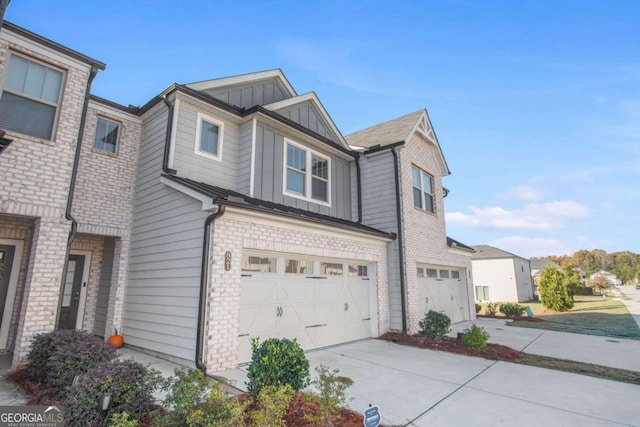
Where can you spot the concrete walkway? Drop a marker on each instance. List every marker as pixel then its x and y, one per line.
pixel 631 298
pixel 10 395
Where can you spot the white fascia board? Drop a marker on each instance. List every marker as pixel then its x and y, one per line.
pixel 274 220
pixel 310 96
pixel 245 78
pixel 207 201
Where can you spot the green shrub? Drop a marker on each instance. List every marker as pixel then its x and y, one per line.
pixel 330 395
pixel 491 309
pixel 557 288
pixel 55 358
pixel 195 404
pixel 435 325
pixel 271 405
pixel 277 362
pixel 122 420
pixel 478 308
pixel 131 386
pixel 475 337
pixel 512 310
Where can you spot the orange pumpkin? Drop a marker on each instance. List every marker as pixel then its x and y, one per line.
pixel 116 340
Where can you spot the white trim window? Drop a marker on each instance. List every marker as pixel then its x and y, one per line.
pixel 209 136
pixel 30 97
pixel 422 190
pixel 306 174
pixel 106 137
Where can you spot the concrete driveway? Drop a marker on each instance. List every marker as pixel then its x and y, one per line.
pixel 417 387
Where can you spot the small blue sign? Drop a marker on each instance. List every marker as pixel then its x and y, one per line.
pixel 372 417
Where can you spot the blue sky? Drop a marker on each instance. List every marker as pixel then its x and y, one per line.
pixel 536 103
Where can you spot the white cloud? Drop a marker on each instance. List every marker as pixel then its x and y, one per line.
pixel 522 192
pixel 609 206
pixel 535 216
pixel 532 246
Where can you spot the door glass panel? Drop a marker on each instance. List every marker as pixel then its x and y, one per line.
pixel 68 284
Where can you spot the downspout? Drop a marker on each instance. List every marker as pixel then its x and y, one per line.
pixel 204 276
pixel 76 160
pixel 167 142
pixel 358 184
pixel 3 8
pixel 396 167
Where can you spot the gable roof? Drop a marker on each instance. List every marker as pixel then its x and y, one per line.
pixel 276 74
pixel 315 101
pixel 490 252
pixel 542 263
pixel 232 198
pixel 400 129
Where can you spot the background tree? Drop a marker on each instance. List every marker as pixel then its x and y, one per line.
pixel 555 289
pixel 586 261
pixel 598 283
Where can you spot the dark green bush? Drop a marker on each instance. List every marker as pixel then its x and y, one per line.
pixel 277 362
pixel 130 383
pixel 478 308
pixel 435 325
pixel 475 337
pixel 193 403
pixel 512 310
pixel 55 358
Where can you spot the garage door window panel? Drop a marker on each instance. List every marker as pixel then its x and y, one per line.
pixel 455 274
pixel 358 270
pixel 258 264
pixel 298 266
pixel 444 274
pixel 331 269
pixel 432 272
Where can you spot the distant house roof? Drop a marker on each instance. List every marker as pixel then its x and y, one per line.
pixel 490 252
pixel 385 133
pixel 542 263
pixel 452 243
pixel 232 198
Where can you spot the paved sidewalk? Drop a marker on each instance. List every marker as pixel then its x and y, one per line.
pixel 631 298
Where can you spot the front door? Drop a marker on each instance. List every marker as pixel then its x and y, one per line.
pixel 71 292
pixel 6 262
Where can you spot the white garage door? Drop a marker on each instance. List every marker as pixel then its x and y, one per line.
pixel 319 302
pixel 444 289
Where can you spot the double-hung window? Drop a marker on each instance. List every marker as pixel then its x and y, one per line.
pixel 306 174
pixel 30 97
pixel 422 190
pixel 209 134
pixel 106 137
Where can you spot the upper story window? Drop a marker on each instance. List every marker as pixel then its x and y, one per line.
pixel 422 190
pixel 209 134
pixel 306 174
pixel 106 137
pixel 30 97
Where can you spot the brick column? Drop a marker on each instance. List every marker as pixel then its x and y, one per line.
pixel 44 278
pixel 118 282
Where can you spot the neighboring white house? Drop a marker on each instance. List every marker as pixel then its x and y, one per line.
pixel 612 279
pixel 500 276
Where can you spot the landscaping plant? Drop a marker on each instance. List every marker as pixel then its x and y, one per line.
pixel 55 358
pixel 277 362
pixel 491 309
pixel 131 386
pixel 478 308
pixel 556 289
pixel 330 395
pixel 270 405
pixel 123 420
pixel 435 325
pixel 512 310
pixel 475 337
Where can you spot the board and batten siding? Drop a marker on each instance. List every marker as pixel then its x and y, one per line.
pixel 104 289
pixel 161 302
pixel 379 210
pixel 269 176
pixel 244 157
pixel 306 115
pixel 200 168
pixel 250 94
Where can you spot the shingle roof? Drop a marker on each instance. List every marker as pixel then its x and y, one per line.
pixel 232 198
pixel 453 243
pixel 489 252
pixel 542 263
pixel 385 133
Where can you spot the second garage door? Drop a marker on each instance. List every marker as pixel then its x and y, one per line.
pixel 319 302
pixel 444 289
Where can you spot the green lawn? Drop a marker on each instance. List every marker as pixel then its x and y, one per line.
pixel 592 315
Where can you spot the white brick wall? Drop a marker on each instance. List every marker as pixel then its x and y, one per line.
pixel 231 234
pixel 425 235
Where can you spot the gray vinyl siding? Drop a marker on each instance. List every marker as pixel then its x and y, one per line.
pixel 250 94
pixel 104 288
pixel 244 157
pixel 199 168
pixel 306 115
pixel 161 301
pixel 379 210
pixel 269 175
